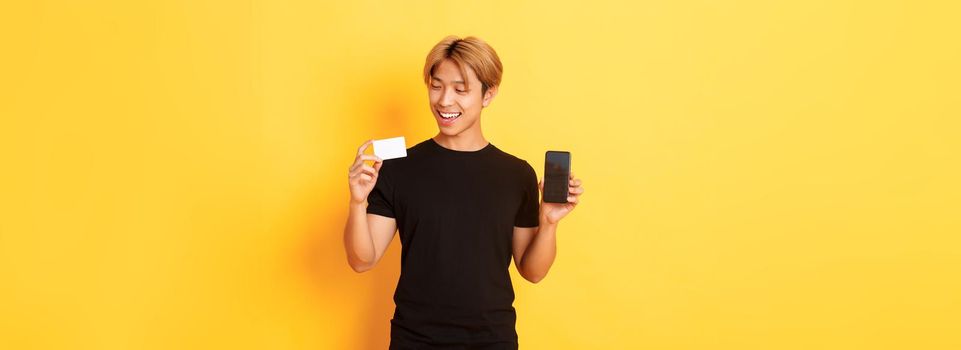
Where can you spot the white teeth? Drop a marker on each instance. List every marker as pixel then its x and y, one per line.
pixel 449 115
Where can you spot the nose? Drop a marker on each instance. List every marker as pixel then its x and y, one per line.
pixel 446 98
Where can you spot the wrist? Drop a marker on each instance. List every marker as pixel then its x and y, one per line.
pixel 358 204
pixel 544 222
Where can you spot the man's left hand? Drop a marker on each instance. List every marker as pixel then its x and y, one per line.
pixel 552 213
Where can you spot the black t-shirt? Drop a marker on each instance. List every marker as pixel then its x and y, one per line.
pixel 456 211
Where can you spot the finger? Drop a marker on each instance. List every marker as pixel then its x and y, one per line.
pixel 571 175
pixel 360 150
pixel 357 162
pixel 363 179
pixel 377 166
pixel 367 169
pixel 574 182
pixel 364 169
pixel 369 157
pixel 577 190
pixel 355 177
pixel 364 157
pixel 571 199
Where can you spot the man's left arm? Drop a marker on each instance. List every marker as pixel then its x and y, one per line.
pixel 534 248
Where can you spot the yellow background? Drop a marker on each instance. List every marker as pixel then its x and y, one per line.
pixel 759 174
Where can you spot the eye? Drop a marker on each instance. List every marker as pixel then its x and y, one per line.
pixel 461 91
pixel 435 87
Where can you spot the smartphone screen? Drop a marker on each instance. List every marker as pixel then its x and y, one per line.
pixel 557 170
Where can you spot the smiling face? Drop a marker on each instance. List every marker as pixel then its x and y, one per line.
pixel 456 101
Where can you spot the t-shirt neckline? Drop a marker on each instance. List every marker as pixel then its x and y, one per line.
pixel 438 146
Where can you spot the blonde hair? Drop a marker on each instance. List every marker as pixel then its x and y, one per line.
pixel 467 52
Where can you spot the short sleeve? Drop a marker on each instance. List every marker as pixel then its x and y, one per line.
pixel 527 213
pixel 380 201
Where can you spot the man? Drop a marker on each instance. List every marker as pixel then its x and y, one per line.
pixel 463 207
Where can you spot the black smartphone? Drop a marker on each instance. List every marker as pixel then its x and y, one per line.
pixel 557 171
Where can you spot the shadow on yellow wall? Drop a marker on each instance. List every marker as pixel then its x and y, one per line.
pixel 389 111
pixel 326 267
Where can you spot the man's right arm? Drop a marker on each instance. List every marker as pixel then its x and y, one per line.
pixel 366 236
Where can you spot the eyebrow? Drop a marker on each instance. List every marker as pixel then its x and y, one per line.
pixel 455 81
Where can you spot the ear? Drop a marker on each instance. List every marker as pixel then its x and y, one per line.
pixel 489 95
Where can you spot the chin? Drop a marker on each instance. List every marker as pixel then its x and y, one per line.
pixel 450 132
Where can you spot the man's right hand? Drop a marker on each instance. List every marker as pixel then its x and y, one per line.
pixel 363 177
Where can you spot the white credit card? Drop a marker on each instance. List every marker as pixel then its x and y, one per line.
pixel 390 148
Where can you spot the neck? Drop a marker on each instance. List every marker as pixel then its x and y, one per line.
pixel 466 141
